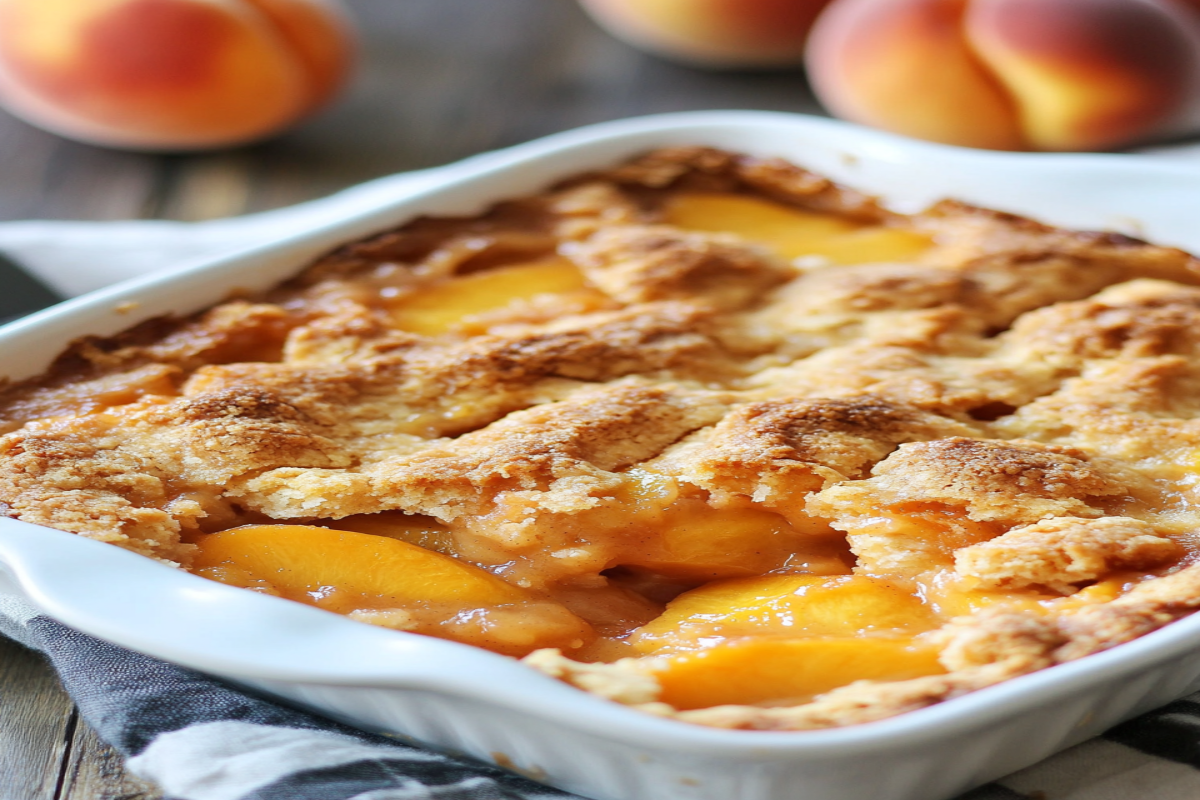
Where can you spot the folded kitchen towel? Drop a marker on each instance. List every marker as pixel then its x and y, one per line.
pixel 200 739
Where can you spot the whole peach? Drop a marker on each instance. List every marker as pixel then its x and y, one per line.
pixel 905 66
pixel 1011 74
pixel 170 74
pixel 718 33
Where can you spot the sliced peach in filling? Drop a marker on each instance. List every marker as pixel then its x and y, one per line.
pixel 793 232
pixel 772 671
pixel 443 307
pixel 309 561
pixel 952 596
pixel 694 541
pixel 657 525
pixel 786 605
pixel 390 582
pixel 653 524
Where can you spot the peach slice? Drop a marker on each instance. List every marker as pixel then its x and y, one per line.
pixel 442 307
pixel 951 596
pixel 243 579
pixel 786 605
pixel 170 74
pixel 793 232
pixel 787 671
pixel 341 570
pixel 693 541
pixel 389 582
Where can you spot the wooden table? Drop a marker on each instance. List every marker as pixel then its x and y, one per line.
pixel 440 80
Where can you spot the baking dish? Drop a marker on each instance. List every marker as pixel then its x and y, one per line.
pixel 470 700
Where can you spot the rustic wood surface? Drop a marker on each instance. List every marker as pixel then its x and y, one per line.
pixel 440 80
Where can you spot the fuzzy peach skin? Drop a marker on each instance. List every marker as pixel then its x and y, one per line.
pixel 717 33
pixel 1012 74
pixel 170 74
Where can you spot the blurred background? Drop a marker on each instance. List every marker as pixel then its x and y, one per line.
pixel 437 80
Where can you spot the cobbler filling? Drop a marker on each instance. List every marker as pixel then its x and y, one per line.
pixel 706 434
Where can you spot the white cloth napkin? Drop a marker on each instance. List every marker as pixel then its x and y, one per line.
pixel 76 257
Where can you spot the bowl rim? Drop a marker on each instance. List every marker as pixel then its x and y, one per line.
pixel 51 566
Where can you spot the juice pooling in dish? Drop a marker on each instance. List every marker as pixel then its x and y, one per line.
pixel 705 434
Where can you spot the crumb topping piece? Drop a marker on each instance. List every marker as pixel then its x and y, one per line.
pixel 1062 552
pixel 640 264
pixel 776 452
pixel 1010 481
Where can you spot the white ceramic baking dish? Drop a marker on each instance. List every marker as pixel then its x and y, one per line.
pixel 465 699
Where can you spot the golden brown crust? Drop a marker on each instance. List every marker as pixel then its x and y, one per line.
pixel 996 481
pixel 1064 551
pixel 131 480
pixel 76 481
pixel 1019 642
pixel 148 358
pixel 965 387
pixel 776 451
pixel 966 232
pixel 845 434
pixel 601 430
pixel 566 450
pixel 643 264
pixel 113 389
pixel 1139 319
pixel 1010 265
pixel 861 289
pixel 853 704
pixel 1015 410
pixel 621 681
pixel 1145 608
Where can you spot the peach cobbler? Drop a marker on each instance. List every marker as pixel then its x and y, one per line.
pixel 705 434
